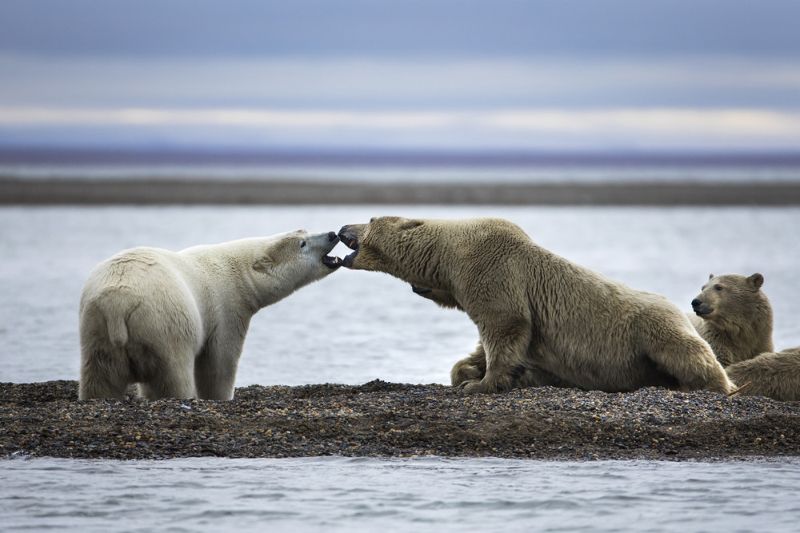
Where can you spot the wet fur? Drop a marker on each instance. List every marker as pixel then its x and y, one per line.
pixel 537 311
pixel 774 375
pixel 740 326
pixel 175 322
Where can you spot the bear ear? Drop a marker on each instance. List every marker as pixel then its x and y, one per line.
pixel 710 276
pixel 263 263
pixel 410 224
pixel 756 280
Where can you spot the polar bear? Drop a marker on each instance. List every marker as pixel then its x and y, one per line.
pixel 537 311
pixel 175 322
pixel 734 316
pixel 473 367
pixel 772 374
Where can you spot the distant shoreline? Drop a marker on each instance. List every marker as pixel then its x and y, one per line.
pixel 348 157
pixel 173 191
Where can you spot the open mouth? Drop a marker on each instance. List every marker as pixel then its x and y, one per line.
pixel 331 261
pixel 352 243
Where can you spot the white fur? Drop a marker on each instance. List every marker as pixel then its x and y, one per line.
pixel 175 322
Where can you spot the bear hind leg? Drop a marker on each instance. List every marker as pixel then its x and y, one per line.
pixel 172 380
pixel 101 377
pixel 690 360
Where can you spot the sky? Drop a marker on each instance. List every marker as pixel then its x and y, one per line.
pixel 704 75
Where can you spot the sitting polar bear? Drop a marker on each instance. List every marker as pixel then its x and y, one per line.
pixel 734 316
pixel 175 322
pixel 775 375
pixel 537 313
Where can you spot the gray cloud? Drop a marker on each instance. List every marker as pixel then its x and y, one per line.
pixel 411 27
pixel 400 84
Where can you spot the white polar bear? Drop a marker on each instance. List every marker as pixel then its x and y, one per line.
pixel 175 322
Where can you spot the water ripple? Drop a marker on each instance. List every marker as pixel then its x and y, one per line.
pixel 430 494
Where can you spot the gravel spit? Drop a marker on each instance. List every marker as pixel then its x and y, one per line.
pixel 380 419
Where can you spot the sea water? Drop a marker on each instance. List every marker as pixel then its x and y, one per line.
pixel 353 327
pixel 419 495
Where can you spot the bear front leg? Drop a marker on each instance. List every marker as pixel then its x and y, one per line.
pixel 505 341
pixel 472 367
pixel 215 368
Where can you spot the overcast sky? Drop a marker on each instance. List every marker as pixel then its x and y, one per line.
pixel 566 74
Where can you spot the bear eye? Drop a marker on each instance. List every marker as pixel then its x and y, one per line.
pixel 372 220
pixel 302 244
pixel 717 287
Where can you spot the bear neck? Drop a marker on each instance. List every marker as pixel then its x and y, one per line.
pixel 421 265
pixel 239 293
pixel 744 338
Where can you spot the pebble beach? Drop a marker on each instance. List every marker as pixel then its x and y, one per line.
pixel 380 419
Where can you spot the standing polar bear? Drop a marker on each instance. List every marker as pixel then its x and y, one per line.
pixel 175 322
pixel 536 312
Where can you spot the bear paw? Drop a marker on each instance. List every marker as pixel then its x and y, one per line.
pixel 463 371
pixel 487 386
pixel 473 386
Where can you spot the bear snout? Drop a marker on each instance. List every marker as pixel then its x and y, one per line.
pixel 701 308
pixel 348 237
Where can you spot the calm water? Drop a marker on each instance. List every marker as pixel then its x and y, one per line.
pixel 429 494
pixel 354 326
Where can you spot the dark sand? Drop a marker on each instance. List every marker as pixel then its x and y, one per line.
pixel 382 419
pixel 198 191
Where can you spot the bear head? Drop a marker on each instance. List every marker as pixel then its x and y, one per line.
pixel 284 263
pixel 730 298
pixel 394 245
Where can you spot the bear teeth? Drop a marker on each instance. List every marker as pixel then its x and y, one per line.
pixel 331 261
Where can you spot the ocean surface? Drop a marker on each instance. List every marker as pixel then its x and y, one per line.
pixel 419 495
pixel 353 327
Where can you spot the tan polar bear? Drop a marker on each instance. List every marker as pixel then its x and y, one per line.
pixel 537 311
pixel 772 374
pixel 175 322
pixel 734 316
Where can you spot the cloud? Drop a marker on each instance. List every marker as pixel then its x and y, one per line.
pixel 525 127
pixel 717 102
pixel 364 83
pixel 264 28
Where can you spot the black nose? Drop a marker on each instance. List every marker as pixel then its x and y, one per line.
pixel 696 302
pixel 332 236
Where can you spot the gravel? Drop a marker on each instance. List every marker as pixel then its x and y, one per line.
pixel 380 419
